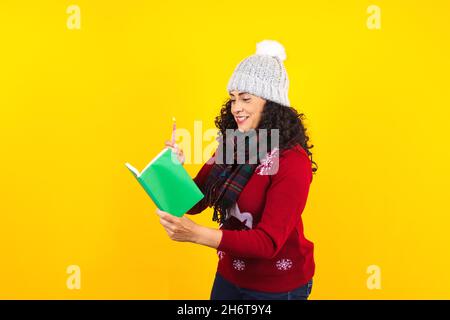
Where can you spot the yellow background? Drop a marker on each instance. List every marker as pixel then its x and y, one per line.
pixel 75 105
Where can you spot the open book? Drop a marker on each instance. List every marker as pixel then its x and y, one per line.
pixel 168 184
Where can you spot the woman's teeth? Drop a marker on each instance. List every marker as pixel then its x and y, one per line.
pixel 241 119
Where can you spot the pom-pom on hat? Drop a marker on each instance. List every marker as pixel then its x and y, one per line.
pixel 263 74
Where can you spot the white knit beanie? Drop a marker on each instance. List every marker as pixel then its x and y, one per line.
pixel 263 74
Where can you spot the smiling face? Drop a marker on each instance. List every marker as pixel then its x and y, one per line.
pixel 246 109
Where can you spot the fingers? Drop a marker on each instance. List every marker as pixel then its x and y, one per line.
pixel 171 146
pixel 169 143
pixel 159 212
pixel 167 225
pixel 174 147
pixel 176 228
pixel 166 216
pixel 165 222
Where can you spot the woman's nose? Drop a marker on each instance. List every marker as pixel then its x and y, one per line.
pixel 237 107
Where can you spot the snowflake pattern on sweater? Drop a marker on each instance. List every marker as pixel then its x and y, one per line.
pixel 284 264
pixel 239 265
pixel 269 164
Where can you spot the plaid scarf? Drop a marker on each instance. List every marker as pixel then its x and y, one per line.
pixel 227 179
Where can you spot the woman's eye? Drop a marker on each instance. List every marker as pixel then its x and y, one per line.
pixel 246 100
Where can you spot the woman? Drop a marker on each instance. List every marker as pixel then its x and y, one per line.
pixel 262 251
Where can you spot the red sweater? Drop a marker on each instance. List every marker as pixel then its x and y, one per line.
pixel 263 247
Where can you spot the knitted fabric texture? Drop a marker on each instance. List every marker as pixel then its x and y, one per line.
pixel 263 74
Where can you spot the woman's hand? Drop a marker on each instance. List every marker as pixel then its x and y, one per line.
pixel 178 151
pixel 179 229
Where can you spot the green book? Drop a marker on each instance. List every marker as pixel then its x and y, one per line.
pixel 168 184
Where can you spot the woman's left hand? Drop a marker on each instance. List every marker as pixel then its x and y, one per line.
pixel 179 229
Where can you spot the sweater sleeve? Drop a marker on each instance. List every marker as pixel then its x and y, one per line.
pixel 285 201
pixel 199 180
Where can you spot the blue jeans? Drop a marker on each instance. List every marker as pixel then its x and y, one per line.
pixel 224 290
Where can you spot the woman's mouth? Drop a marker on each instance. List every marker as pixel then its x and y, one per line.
pixel 241 119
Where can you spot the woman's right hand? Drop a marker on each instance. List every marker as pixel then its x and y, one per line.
pixel 178 151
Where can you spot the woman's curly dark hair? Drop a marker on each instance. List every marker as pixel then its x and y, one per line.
pixel 274 116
